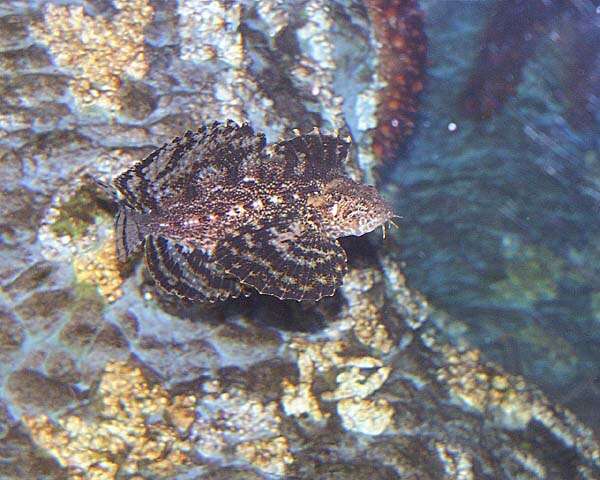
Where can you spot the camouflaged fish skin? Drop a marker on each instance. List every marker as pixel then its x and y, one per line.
pixel 218 212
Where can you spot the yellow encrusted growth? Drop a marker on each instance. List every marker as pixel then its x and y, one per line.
pixel 370 417
pixel 271 455
pixel 99 51
pixel 483 389
pixel 138 424
pixel 508 400
pixel 456 462
pixel 239 421
pixel 363 310
pixel 101 268
pixel 354 385
pixel 299 399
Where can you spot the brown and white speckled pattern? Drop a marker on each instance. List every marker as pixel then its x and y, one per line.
pixel 218 211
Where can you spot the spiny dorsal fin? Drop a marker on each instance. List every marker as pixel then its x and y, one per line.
pixel 309 156
pixel 215 150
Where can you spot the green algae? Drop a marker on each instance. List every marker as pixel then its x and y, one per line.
pixel 87 293
pixel 550 348
pixel 78 214
pixel 533 274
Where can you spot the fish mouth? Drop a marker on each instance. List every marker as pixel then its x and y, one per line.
pixel 372 224
pixel 376 222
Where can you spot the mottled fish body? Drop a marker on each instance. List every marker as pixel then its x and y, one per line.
pixel 217 211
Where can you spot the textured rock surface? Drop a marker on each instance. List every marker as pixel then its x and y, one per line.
pixel 103 378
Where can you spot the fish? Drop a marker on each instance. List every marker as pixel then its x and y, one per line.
pixel 219 213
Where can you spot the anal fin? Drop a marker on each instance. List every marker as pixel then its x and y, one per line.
pixel 284 260
pixel 187 273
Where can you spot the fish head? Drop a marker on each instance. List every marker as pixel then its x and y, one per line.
pixel 350 208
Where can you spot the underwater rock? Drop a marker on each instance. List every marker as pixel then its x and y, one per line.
pixel 23 459
pixel 42 311
pixel 34 393
pixel 12 335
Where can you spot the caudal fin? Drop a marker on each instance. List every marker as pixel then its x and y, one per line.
pixel 130 233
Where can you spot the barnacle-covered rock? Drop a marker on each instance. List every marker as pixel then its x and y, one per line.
pixel 336 386
pixel 135 421
pixel 98 51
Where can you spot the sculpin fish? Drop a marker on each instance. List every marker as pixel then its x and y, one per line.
pixel 219 212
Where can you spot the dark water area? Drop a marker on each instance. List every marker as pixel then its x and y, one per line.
pixel 501 198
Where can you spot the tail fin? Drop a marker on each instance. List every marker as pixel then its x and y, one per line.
pixel 130 233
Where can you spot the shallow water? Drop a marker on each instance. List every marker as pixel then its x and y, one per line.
pixel 501 222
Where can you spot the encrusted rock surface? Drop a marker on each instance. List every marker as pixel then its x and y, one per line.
pixel 103 378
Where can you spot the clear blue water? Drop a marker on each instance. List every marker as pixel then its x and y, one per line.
pixel 501 215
